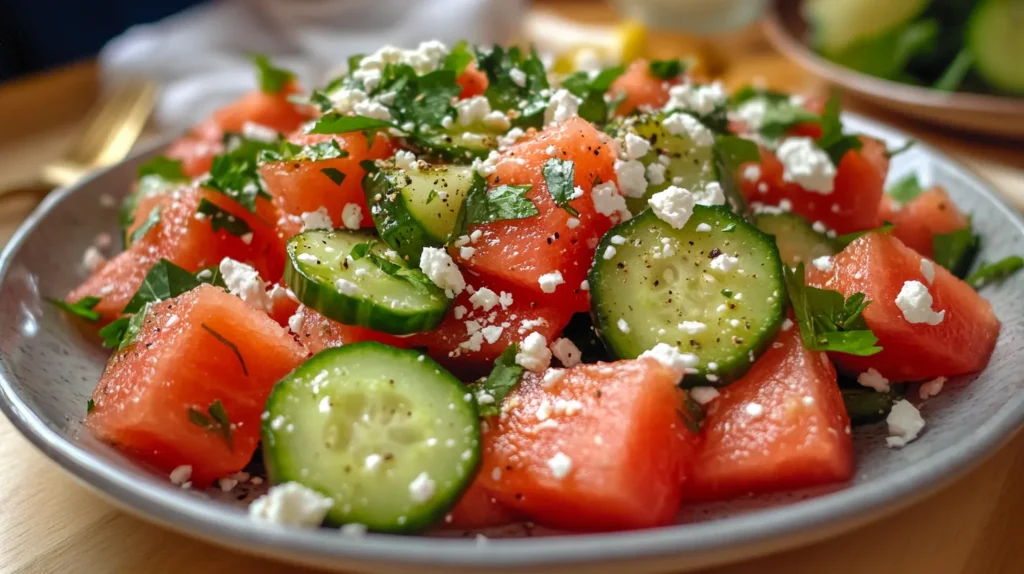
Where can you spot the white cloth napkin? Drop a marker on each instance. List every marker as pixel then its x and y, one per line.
pixel 201 57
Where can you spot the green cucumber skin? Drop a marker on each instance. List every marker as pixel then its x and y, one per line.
pixel 435 146
pixel 354 310
pixel 279 471
pixel 396 226
pixel 797 241
pixel 622 346
pixel 988 14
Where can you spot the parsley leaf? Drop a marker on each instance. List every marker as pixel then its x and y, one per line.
pixel 151 220
pixel 335 174
pixel 781 112
pixel 114 332
pixel 215 418
pixel 956 250
pixel 238 178
pixel 163 167
pixel 127 331
pixel 503 378
pixel 833 140
pixel 827 322
pixel 165 280
pixel 591 91
pixel 90 405
pixel 847 238
pixel 505 94
pixel 906 189
pixel 989 273
pixel 272 80
pixel 423 101
pixel 458 58
pixel 82 308
pixel 502 203
pixel 227 342
pixel 334 123
pixel 559 175
pixel 221 219
pixel 313 152
pixel 666 69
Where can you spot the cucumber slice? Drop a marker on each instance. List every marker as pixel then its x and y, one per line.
pixel 836 24
pixel 693 164
pixel 995 39
pixel 457 144
pixel 797 241
pixel 641 296
pixel 388 434
pixel 377 290
pixel 413 209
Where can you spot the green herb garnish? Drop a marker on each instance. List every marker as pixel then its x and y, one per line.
pixel 82 308
pixel 221 219
pixel 827 321
pixel 227 342
pixel 503 378
pixel 559 176
pixel 334 123
pixel 502 203
pixel 666 69
pixel 956 250
pixel 271 80
pixel 335 174
pixel 151 220
pixel 215 418
pixel 906 189
pixel 989 273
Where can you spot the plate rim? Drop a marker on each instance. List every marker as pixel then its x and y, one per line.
pixel 694 544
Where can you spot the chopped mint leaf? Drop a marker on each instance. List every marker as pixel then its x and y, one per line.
pixel 165 280
pixel 90 405
pixel 272 80
pixel 989 273
pixel 666 69
pixel 867 406
pixel 458 58
pixel 335 174
pixel 906 189
pixel 692 414
pixel 313 152
pixel 827 321
pixel 956 250
pixel 781 112
pixel 422 101
pixel 221 219
pixel 835 143
pixel 361 250
pixel 503 379
pixel 82 308
pixel 215 418
pixel 334 123
pixel 847 238
pixel 132 328
pixel 559 175
pixel 502 203
pixel 114 332
pixel 238 179
pixel 505 94
pixel 164 168
pixel 151 220
pixel 227 342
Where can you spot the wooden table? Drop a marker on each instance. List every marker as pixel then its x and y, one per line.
pixel 49 523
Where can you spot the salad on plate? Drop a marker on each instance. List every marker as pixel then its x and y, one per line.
pixel 451 289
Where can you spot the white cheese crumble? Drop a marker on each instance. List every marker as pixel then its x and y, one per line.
pixel 293 504
pixel 259 132
pixel 245 283
pixel 560 465
pixel 484 299
pixel 422 488
pixel 904 422
pixel 562 106
pixel 680 124
pixel 550 281
pixel 318 219
pixel 752 112
pixel 552 376
pixel 724 263
pixel 700 99
pixel 533 353
pixel 518 77
pixel 755 410
pixel 787 324
pixel 93 259
pixel 608 201
pixel 405 160
pixel 181 474
pixel 674 206
pixel 704 395
pixel 872 379
pixel 655 174
pixel 630 175
pixel 692 327
pixel 438 266
pixel 703 228
pixel 296 320
pixel 472 110
pixel 823 263
pixel 670 356
pixel 915 302
pixel 752 173
pixel 928 270
pixel 346 287
pixel 931 388
pixel 352 216
pixel 711 194
pixel 609 252
pixel 622 325
pixel 636 147
pixel 467 252
pixel 807 165
pixel 566 352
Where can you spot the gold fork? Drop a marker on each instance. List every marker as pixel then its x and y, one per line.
pixel 110 132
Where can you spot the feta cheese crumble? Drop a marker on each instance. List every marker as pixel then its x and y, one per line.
pixel 550 281
pixel 422 488
pixel 823 263
pixel 636 147
pixel 630 175
pixel 807 165
pixel 608 201
pixel 872 379
pixel 560 465
pixel 352 216
pixel 533 353
pixel 346 287
pixel 931 388
pixel 93 259
pixel 674 206
pixel 904 422
pixel 704 395
pixel 655 174
pixel 438 266
pixel 562 106
pixel 700 99
pixel 292 504
pixel 724 263
pixel 566 352
pixel 680 124
pixel 670 356
pixel 928 270
pixel 622 325
pixel 703 228
pixel 692 327
pixel 484 299
pixel 318 219
pixel 181 474
pixel 915 302
pixel 245 283
pixel 405 160
pixel 712 194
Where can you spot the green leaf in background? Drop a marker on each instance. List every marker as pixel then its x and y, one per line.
pixel 886 55
pixel 956 250
pixel 82 308
pixel 271 80
pixel 667 69
pixel 221 219
pixel 835 143
pixel 827 321
pixel 504 93
pixel 954 76
pixel 503 378
pixel 906 189
pixel 559 175
pixel 151 220
pixel 989 273
pixel 338 124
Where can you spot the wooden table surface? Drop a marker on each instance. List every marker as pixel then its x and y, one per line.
pixel 50 523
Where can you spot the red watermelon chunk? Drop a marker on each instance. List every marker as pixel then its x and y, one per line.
pixel 918 221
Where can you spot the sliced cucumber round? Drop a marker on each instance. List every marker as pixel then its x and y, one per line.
pixel 350 277
pixel 796 239
pixel 413 209
pixel 388 434
pixel 995 39
pixel 457 144
pixel 836 24
pixel 651 283
pixel 687 164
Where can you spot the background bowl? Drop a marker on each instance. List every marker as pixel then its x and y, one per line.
pixel 978 113
pixel 48 370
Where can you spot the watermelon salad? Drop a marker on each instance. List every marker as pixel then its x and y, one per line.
pixel 451 289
